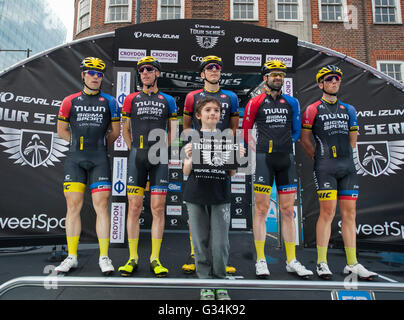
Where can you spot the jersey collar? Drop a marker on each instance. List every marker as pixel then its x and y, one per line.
pixel 211 91
pixel 153 92
pixel 90 94
pixel 329 102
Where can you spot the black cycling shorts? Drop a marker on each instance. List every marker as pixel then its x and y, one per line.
pixel 140 170
pixel 278 166
pixel 80 167
pixel 336 178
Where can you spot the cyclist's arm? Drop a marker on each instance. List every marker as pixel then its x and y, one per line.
pixel 234 117
pixel 126 132
pixel 126 116
pixel 308 118
pixel 234 124
pixel 296 121
pixel 188 111
pixel 63 130
pixel 172 118
pixel 63 124
pixel 353 137
pixel 353 125
pixel 249 119
pixel 114 133
pixel 306 143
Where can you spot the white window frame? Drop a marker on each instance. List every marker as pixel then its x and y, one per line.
pixel 255 12
pixel 107 7
pixel 344 13
pixel 299 12
pixel 78 30
pixel 159 9
pixel 398 14
pixel 401 63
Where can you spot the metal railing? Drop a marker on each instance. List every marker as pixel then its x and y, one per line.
pixel 54 282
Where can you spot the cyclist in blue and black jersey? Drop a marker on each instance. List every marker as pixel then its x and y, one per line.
pixel 334 126
pixel 90 121
pixel 143 112
pixel 277 120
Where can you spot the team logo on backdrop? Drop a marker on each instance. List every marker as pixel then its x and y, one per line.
pixel 377 158
pixel 207 42
pixel 32 147
pixel 207 36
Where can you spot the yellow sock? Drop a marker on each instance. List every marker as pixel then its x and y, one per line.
pixel 259 247
pixel 192 246
pixel 104 245
pixel 156 245
pixel 290 248
pixel 72 244
pixel 321 254
pixel 351 256
pixel 133 248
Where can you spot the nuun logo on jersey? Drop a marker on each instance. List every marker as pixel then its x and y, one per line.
pixel 276 115
pixel 90 108
pixel 332 116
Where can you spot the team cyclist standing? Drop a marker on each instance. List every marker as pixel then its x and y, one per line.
pixel 90 121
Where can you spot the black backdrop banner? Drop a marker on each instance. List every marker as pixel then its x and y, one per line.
pixel 32 206
pixel 180 44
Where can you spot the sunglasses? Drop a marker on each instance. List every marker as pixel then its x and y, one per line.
pixel 213 65
pixel 93 73
pixel 147 68
pixel 331 78
pixel 277 74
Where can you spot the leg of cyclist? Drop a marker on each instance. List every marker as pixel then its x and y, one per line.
pixel 100 202
pixel 74 194
pixel 261 207
pixel 286 205
pixel 348 229
pixel 323 233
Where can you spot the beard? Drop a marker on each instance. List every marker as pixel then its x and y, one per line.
pixel 274 86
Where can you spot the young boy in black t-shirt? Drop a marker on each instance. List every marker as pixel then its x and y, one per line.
pixel 207 197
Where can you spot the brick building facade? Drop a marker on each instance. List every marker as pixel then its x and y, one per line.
pixel 368 30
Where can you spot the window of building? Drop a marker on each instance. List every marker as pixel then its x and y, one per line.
pixel 84 15
pixel 332 10
pixel 170 9
pixel 393 69
pixel 386 11
pixel 289 10
pixel 244 9
pixel 118 11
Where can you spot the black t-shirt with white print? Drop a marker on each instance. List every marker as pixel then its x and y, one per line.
pixel 207 185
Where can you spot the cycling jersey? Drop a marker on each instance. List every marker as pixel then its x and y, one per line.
pixel 147 112
pixel 331 124
pixel 227 99
pixel 277 122
pixel 334 170
pixel 89 117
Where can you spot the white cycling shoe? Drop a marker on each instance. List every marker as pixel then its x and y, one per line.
pixel 295 266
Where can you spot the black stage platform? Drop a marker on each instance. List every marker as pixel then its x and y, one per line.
pixel 174 252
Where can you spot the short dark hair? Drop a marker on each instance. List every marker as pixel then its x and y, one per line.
pixel 201 103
